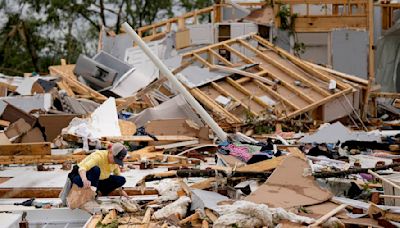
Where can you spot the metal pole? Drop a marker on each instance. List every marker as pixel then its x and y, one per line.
pixel 182 90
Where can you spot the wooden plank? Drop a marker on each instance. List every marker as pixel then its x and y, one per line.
pixel 344 76
pixel 385 95
pixel 64 86
pixel 225 61
pixel 203 61
pixel 276 95
pixel 210 214
pixel 9 87
pixel 244 73
pixel 319 103
pixel 36 159
pixel 328 215
pixel 248 93
pixel 4 123
pixel 384 179
pixel 214 106
pixel 262 166
pixel 54 192
pixel 327 23
pixel 26 149
pixel 238 54
pixel 176 145
pixel 147 217
pixel 149 139
pixel 66 72
pixel 226 93
pixel 204 184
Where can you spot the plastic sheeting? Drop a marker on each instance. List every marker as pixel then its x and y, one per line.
pixel 175 108
pixel 388 60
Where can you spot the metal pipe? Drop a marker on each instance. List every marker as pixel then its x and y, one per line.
pixel 182 90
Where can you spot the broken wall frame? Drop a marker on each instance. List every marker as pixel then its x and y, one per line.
pixel 160 29
pixel 335 14
pixel 272 64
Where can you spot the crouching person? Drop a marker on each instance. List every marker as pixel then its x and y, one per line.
pixel 97 174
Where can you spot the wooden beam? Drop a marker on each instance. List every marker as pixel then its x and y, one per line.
pixel 244 73
pixel 276 95
pixel 226 93
pixel 318 103
pixel 285 69
pixel 371 66
pixel 237 53
pixel 225 61
pixel 26 149
pixel 54 192
pixel 248 93
pixel 385 95
pixel 284 83
pixel 214 106
pixel 203 61
pixel 328 215
pixel 298 62
pixel 43 159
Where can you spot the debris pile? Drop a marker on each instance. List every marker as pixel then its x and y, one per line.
pixel 233 133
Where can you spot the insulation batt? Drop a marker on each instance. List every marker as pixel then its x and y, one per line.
pixel 248 214
pixel 178 207
pixel 168 190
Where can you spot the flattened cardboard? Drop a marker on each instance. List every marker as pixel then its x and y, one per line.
pixel 12 114
pixel 17 128
pixel 54 123
pixel 178 127
pixel 32 136
pixel 3 139
pixel 127 128
pixel 287 187
pixel 172 127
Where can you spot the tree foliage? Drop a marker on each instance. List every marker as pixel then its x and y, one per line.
pixel 37 33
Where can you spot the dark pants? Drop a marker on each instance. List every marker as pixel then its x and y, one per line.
pixel 105 186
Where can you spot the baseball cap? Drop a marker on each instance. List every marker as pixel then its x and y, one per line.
pixel 119 152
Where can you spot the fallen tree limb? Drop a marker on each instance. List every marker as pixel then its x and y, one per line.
pixel 185 173
pixel 353 171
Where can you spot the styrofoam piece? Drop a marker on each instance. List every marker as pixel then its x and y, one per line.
pixel 332 84
pixel 104 120
pixel 332 133
pixel 223 100
pixel 268 100
pixel 25 87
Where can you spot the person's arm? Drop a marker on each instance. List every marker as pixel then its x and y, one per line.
pixel 85 181
pixel 85 165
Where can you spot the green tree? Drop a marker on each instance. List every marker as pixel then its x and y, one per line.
pixel 37 33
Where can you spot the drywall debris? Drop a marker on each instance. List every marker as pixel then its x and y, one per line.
pixel 178 207
pixel 248 214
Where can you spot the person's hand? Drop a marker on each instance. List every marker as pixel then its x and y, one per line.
pixel 124 194
pixel 86 183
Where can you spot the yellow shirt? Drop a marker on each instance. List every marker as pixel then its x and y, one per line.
pixel 100 159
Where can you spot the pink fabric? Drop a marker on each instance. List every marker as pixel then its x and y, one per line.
pixel 240 152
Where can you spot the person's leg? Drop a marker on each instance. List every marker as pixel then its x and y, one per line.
pixel 92 175
pixel 108 185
